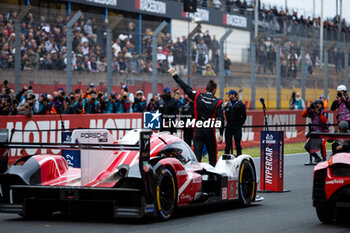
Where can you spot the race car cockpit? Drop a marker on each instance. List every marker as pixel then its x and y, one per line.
pixel 179 150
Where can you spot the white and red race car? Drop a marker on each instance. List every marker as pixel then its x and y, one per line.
pixel 144 173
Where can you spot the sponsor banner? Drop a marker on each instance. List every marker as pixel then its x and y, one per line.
pixel 152 6
pixel 104 2
pixel 271 160
pixel 201 14
pixel 235 20
pixel 34 127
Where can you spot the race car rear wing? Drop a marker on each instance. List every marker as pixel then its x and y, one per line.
pixel 143 146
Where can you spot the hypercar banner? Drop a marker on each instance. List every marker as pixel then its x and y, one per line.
pixel 47 128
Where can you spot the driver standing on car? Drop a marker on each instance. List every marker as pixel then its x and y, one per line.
pixel 206 106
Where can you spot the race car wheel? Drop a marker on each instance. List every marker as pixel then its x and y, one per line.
pixel 326 214
pixel 165 193
pixel 247 183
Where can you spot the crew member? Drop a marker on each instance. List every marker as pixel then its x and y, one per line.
pixel 342 103
pixel 236 115
pixel 206 107
pixel 169 108
pixel 319 120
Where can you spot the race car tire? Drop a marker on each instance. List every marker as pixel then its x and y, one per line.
pixel 326 214
pixel 246 183
pixel 165 193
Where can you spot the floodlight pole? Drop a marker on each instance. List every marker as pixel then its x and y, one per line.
pixel 69 50
pixel 154 55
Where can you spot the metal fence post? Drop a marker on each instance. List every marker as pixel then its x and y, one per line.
pixel 302 72
pixel 303 75
pixel 325 71
pixel 154 55
pixel 109 82
pixel 252 66
pixel 18 65
pixel 278 77
pixel 69 51
pixel 189 53
pixel 346 67
pixel 221 62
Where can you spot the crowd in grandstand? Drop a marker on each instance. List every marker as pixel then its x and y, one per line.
pixel 27 102
pixel 43 47
pixel 43 44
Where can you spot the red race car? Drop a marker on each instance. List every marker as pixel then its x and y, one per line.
pixel 331 184
pixel 144 173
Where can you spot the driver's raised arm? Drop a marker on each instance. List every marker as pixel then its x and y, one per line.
pixel 187 89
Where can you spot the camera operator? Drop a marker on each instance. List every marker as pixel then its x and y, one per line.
pixel 236 115
pixel 139 104
pixel 319 120
pixel 101 101
pixel 44 105
pixel 187 113
pixel 69 104
pixel 5 105
pixel 91 89
pixel 91 104
pixel 114 105
pixel 169 108
pixel 58 102
pixel 342 103
pixel 27 108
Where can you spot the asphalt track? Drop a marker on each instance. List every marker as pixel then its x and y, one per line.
pixel 279 212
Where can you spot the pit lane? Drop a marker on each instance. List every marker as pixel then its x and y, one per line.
pixel 279 212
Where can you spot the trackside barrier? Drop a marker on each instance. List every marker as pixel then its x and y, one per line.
pixel 47 128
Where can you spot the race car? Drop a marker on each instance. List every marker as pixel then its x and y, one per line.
pixel 331 184
pixel 144 173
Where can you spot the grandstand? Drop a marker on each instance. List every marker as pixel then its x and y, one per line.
pixel 43 45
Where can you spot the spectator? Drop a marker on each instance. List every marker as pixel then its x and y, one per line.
pixel 262 59
pixel 180 60
pixel 201 61
pixel 91 104
pixel 227 64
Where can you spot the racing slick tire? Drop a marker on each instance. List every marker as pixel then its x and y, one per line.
pixel 326 214
pixel 246 183
pixel 165 193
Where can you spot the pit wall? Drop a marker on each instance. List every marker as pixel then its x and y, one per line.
pixel 34 127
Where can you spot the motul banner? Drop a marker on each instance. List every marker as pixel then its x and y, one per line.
pixel 34 129
pixel 271 161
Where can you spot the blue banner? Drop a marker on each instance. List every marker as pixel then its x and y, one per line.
pixel 72 156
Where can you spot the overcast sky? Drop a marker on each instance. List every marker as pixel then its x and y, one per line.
pixel 305 7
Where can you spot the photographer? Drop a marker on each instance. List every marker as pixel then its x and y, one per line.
pixel 139 104
pixel 44 105
pixel 69 104
pixel 91 104
pixel 342 103
pixel 153 104
pixel 114 105
pixel 169 108
pixel 126 98
pixel 102 102
pixel 27 108
pixel 319 121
